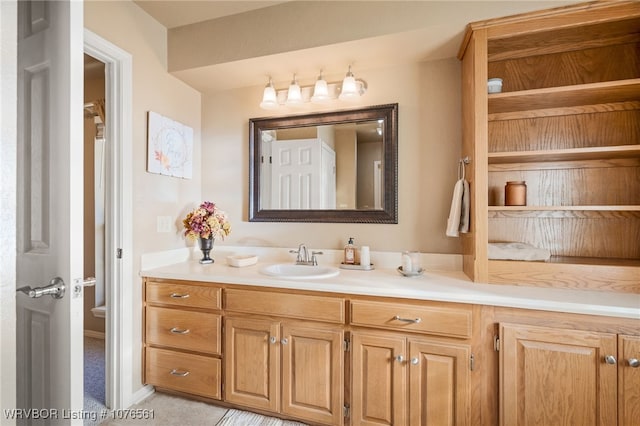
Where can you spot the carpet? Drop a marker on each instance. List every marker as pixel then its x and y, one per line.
pixel 245 418
pixel 93 379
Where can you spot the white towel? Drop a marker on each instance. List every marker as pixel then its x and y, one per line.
pixel 517 251
pixel 459 214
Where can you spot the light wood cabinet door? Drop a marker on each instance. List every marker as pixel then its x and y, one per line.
pixel 439 384
pixel 628 380
pixel 252 363
pixel 313 373
pixel 554 376
pixel 379 387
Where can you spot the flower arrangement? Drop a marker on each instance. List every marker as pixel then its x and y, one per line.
pixel 206 221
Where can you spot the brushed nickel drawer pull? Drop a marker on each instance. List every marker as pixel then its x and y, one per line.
pixel 414 321
pixel 179 373
pixel 179 296
pixel 176 330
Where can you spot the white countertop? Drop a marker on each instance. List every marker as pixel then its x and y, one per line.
pixel 445 286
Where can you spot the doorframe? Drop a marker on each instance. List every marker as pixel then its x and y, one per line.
pixel 8 201
pixel 118 218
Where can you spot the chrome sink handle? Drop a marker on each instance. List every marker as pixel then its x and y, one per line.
pixel 314 259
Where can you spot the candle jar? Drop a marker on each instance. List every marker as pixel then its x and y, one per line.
pixel 515 193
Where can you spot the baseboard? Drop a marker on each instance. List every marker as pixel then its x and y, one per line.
pixel 143 393
pixel 94 334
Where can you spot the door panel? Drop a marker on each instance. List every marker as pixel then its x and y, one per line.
pixel 556 376
pixel 628 380
pixel 439 384
pixel 313 373
pixel 252 363
pixel 296 174
pixel 379 388
pixel 50 206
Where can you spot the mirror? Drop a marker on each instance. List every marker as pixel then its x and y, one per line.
pixel 325 167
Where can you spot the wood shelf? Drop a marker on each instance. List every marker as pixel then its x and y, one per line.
pixel 575 154
pixel 592 212
pixel 565 96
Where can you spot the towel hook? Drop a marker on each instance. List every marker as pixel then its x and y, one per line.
pixel 461 166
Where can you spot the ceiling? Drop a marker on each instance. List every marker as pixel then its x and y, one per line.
pixel 175 13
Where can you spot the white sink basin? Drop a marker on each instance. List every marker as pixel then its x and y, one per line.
pixel 299 272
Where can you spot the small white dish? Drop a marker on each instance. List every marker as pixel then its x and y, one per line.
pixel 410 273
pixel 240 260
pixel 494 85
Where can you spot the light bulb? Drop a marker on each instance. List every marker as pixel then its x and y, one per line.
pixel 294 95
pixel 320 91
pixel 269 97
pixel 349 87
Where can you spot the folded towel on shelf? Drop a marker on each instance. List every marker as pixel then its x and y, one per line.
pixel 517 251
pixel 459 214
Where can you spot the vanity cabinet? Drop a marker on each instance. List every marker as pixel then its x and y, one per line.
pixel 400 378
pixel 182 330
pixel 566 123
pixel 285 365
pixel 564 376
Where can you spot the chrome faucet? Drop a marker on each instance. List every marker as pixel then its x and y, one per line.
pixel 303 256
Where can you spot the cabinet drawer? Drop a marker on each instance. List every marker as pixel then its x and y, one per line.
pixel 193 296
pixel 313 308
pixel 195 331
pixel 444 321
pixel 195 374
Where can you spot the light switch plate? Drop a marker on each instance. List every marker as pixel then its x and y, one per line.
pixel 164 223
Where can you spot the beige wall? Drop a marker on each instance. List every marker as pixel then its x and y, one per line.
pixel 128 27
pixel 429 135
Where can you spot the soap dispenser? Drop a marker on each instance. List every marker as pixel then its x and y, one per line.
pixel 350 253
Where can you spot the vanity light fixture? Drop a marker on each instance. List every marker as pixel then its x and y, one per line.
pixel 269 97
pixel 322 91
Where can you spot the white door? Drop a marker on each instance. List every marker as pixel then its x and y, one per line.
pixel 295 174
pixel 49 331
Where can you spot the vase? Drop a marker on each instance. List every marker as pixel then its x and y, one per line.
pixel 206 244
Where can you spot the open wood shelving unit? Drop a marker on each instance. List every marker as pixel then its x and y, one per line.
pixel 567 123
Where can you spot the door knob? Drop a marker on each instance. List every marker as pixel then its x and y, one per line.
pixel 634 362
pixel 55 289
pixel 610 359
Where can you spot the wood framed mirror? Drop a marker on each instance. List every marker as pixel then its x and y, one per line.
pixel 336 166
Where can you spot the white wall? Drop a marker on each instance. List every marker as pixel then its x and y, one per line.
pixel 124 24
pixel 429 135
